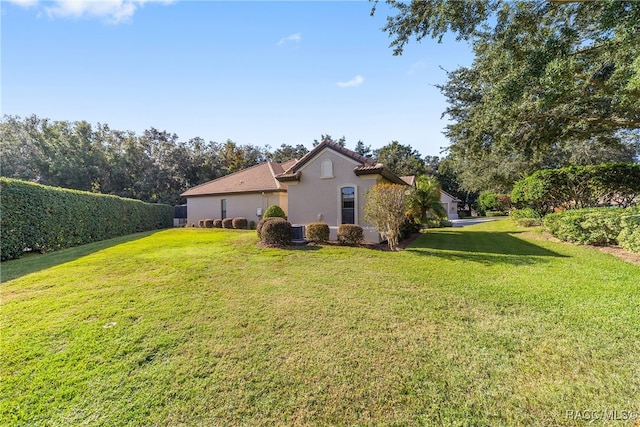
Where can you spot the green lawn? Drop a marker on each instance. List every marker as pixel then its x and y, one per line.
pixel 474 326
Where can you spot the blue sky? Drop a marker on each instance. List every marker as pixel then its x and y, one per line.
pixel 261 73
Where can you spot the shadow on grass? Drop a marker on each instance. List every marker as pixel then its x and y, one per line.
pixel 35 261
pixel 481 246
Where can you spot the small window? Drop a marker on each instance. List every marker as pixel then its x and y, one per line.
pixel 327 169
pixel 223 208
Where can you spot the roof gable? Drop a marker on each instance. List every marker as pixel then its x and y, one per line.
pixel 364 165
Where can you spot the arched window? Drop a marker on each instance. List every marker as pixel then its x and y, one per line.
pixel 348 204
pixel 327 169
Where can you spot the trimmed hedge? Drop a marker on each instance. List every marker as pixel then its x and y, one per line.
pixel 227 223
pixel 240 223
pixel 41 218
pixel 318 232
pixel 629 237
pixel 208 223
pixel 594 226
pixel 263 221
pixel 274 211
pixel 277 233
pixel 217 223
pixel 350 234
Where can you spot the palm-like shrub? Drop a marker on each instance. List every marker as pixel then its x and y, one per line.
pixel 424 200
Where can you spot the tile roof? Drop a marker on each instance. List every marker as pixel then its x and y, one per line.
pixel 255 179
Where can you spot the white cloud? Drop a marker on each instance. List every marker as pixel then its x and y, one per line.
pixel 113 11
pixel 290 38
pixel 356 81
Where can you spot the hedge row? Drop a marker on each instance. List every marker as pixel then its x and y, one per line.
pixel 579 187
pixel 41 218
pixel 597 226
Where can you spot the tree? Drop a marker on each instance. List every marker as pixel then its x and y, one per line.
pixel 385 209
pixel 363 150
pixel 424 200
pixel 547 76
pixel 327 138
pixel 288 152
pixel 400 159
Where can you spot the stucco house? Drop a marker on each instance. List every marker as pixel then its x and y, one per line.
pixel 328 184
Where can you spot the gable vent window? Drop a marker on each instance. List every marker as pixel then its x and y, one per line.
pixel 327 169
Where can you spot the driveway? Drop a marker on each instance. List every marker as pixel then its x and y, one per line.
pixel 476 220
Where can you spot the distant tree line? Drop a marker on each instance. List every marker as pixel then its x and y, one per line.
pixel 156 166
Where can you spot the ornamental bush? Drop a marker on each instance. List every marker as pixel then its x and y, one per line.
pixel 318 232
pixel 227 223
pixel 240 223
pixel 278 233
pixel 527 213
pixel 593 226
pixel 274 211
pixel 217 223
pixel 35 217
pixel 208 223
pixel 350 234
pixel 263 221
pixel 201 223
pixel 629 237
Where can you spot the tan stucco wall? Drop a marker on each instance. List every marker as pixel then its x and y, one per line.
pixel 238 205
pixel 449 205
pixel 316 199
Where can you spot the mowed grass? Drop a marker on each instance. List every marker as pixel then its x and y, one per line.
pixel 473 326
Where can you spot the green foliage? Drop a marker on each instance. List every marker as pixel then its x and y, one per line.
pixel 217 223
pixel 277 233
pixel 207 223
pixel 227 223
pixel 240 223
pixel 400 159
pixel 263 221
pixel 527 213
pixel 579 187
pixel 424 200
pixel 489 201
pixel 318 232
pixel 529 222
pixel 593 226
pixel 252 225
pixel 408 228
pixel 274 211
pixel 350 234
pixel 629 237
pixel 39 218
pixel 552 83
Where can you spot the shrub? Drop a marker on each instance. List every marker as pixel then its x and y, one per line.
pixel 252 225
pixel 318 232
pixel 594 226
pixel 526 213
pixel 445 223
pixel 277 233
pixel 227 223
pixel 41 218
pixel 263 221
pixel 240 223
pixel 629 237
pixel 217 223
pixel 408 227
pixel 201 223
pixel 495 213
pixel 208 223
pixel 350 234
pixel 274 211
pixel 529 222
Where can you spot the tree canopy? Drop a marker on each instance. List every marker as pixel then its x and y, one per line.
pixel 550 79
